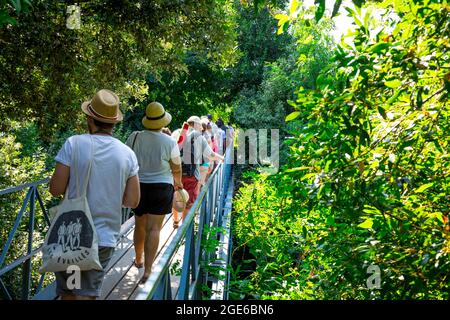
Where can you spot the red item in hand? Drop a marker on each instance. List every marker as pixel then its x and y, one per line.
pixel 183 133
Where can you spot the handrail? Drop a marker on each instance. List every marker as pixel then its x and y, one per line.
pixel 31 197
pixel 23 186
pixel 213 194
pixel 209 205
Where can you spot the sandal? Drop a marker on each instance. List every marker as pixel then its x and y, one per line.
pixel 144 279
pixel 138 265
pixel 176 223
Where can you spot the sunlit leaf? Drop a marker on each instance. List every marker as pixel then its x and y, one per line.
pixel 320 9
pixel 424 187
pixel 293 7
pixel 393 83
pixel 292 116
pixel 336 7
pixel 367 224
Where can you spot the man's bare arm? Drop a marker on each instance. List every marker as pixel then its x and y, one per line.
pixel 132 193
pixel 60 179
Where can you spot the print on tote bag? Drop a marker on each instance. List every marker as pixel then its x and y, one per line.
pixel 71 232
pixel 72 238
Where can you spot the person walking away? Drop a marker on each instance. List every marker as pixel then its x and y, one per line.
pixel 195 147
pixel 222 136
pixel 230 133
pixel 113 183
pixel 213 146
pixel 206 163
pixel 216 133
pixel 213 132
pixel 159 174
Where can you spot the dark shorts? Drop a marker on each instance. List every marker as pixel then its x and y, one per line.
pixel 90 281
pixel 190 185
pixel 156 198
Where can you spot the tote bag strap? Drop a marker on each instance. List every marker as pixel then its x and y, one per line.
pixel 88 175
pixel 74 167
pixel 134 140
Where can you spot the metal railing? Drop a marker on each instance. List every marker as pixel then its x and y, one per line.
pixel 209 206
pixel 208 209
pixel 31 197
pixel 26 261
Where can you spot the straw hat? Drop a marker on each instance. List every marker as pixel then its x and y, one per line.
pixel 103 107
pixel 155 116
pixel 180 198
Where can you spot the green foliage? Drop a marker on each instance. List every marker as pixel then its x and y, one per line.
pixel 210 244
pixel 266 105
pixel 258 44
pixel 11 8
pixel 261 228
pixel 20 165
pixel 201 89
pixel 265 102
pixel 367 179
pixel 47 70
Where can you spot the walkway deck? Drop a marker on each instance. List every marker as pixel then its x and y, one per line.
pixel 122 278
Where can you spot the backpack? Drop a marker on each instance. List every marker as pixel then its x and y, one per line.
pixel 188 169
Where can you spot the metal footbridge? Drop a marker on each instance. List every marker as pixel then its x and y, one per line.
pixel 192 261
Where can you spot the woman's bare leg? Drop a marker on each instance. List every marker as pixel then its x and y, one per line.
pixel 139 237
pixel 154 224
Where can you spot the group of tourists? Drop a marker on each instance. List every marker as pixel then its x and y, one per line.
pixel 152 172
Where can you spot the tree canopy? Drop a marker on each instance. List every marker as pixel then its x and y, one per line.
pixel 47 67
pixel 366 180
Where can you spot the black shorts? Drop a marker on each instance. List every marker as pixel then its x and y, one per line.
pixel 156 198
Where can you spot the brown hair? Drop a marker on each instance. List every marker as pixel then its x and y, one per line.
pixel 103 125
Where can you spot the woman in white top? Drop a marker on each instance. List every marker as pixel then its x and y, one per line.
pixel 204 167
pixel 159 161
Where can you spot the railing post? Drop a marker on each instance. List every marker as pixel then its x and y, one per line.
pixel 5 290
pixel 41 204
pixel 13 231
pixel 28 264
pixel 183 291
pixel 164 290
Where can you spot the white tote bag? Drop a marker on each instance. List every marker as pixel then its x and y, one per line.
pixel 72 238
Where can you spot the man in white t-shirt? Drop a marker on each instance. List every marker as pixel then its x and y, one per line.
pixel 113 184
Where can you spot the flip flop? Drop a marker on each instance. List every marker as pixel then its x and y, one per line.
pixel 139 266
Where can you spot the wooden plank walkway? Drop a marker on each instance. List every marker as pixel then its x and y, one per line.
pixel 122 278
